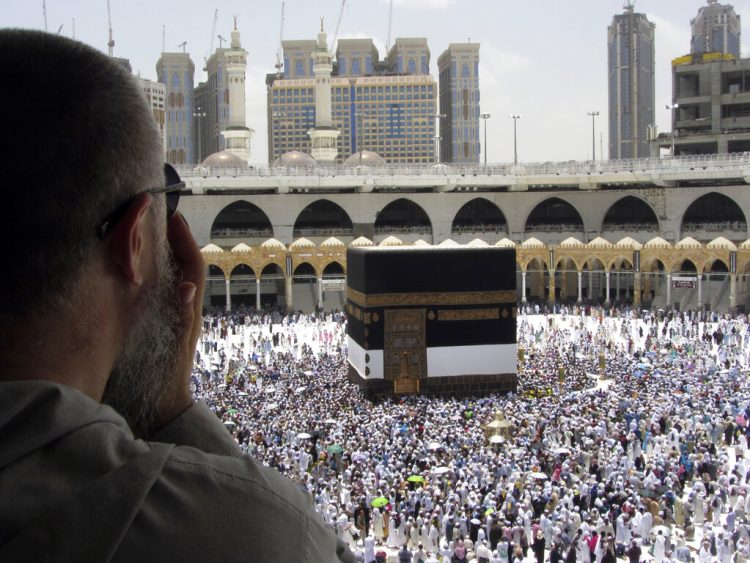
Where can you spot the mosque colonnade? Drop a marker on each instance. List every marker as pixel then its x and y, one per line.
pixel 689 274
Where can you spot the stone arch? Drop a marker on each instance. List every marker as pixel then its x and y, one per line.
pixel 304 270
pixel 242 270
pixel 334 268
pixel 537 283
pixel 322 218
pixel 404 218
pixel 242 285
pixel 272 285
pixel 630 214
pixel 711 214
pixel 242 220
pixel 566 278
pixel 479 217
pixel 688 266
pixel 554 215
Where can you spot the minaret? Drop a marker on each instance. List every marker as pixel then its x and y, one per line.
pixel 324 135
pixel 236 135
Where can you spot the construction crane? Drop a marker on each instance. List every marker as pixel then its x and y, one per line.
pixel 44 13
pixel 183 44
pixel 338 24
pixel 111 42
pixel 390 25
pixel 279 64
pixel 211 43
pixel 221 41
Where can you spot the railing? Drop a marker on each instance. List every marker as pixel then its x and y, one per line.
pixel 241 232
pixel 716 226
pixel 730 161
pixel 399 230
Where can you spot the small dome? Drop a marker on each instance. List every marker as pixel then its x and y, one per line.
pixel 477 243
pixel 532 242
pixel 599 242
pixel 420 242
pixel 391 241
pixel 361 241
pixel 721 242
pixel 211 249
pixel 629 242
pixel 505 243
pixel 224 159
pixel 332 241
pixel 688 242
pixel 571 242
pixel 657 242
pixel 295 159
pixel 365 158
pixel 302 243
pixel 273 243
pixel 242 247
pixel 449 243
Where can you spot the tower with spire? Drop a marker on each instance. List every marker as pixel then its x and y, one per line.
pixel 323 136
pixel 236 133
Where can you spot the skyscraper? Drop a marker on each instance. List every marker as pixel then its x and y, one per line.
pixel 176 71
pixel 225 96
pixel 458 69
pixel 631 84
pixel 716 28
pixel 373 106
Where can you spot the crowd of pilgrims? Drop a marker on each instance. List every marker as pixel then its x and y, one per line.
pixel 628 439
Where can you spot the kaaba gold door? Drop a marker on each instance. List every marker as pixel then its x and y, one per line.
pixel 405 349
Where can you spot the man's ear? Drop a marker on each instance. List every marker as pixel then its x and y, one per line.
pixel 127 241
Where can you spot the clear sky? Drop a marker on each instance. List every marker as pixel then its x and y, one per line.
pixel 543 59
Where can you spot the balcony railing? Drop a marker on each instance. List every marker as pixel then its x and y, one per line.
pixel 730 161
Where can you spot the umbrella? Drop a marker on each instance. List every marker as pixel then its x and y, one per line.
pixel 434 446
pixel 379 502
pixel 476 521
pixel 489 511
pixel 229 423
pixel 271 406
pixel 308 373
pixel 335 449
pixel 304 436
pixel 330 421
pixel 538 475
pixel 242 394
pixel 562 451
pixel 270 389
pixel 441 470
pixel 299 389
pixel 496 439
pixel 232 411
pixel 415 479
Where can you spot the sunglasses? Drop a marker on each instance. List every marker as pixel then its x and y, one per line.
pixel 171 189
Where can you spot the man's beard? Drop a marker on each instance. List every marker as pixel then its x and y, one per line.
pixel 142 371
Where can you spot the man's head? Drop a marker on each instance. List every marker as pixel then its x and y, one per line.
pixel 78 141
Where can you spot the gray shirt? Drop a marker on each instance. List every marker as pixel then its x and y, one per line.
pixel 76 486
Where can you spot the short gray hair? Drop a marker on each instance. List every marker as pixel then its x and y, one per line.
pixel 77 140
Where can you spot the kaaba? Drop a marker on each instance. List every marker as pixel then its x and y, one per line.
pixel 437 321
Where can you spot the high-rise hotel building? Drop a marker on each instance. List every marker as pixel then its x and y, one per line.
pixel 631 84
pixel 176 71
pixel 387 106
pixel 458 75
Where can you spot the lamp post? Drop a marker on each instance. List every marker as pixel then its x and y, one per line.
pixel 438 138
pixel 485 116
pixel 515 117
pixel 593 115
pixel 671 108
pixel 199 114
